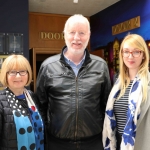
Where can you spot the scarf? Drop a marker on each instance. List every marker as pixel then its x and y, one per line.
pixel 29 125
pixel 133 113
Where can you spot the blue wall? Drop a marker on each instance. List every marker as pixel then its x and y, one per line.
pixel 102 22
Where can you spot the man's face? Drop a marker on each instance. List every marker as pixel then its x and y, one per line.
pixel 77 37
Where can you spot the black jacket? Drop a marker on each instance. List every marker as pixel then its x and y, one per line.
pixel 73 107
pixel 8 137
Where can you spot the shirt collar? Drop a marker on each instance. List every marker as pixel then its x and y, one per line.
pixel 69 61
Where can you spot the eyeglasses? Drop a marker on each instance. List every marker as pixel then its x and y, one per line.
pixel 135 53
pixel 14 73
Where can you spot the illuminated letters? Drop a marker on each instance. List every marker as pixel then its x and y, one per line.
pixel 126 25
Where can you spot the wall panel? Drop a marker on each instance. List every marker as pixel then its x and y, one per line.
pixel 49 24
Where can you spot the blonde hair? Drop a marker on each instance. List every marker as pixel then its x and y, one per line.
pixel 18 62
pixel 138 42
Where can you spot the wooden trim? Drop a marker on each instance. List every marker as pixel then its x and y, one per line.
pixel 52 15
pixel 33 58
pixel 2 57
pixel 46 14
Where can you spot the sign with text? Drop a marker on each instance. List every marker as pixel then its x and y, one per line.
pixel 51 36
pixel 126 25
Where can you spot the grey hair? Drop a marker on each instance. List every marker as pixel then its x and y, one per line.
pixel 77 18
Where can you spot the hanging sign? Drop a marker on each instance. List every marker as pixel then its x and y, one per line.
pixel 126 25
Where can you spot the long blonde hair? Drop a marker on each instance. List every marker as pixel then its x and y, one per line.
pixel 138 42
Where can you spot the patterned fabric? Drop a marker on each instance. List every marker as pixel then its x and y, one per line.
pixel 133 113
pixel 29 125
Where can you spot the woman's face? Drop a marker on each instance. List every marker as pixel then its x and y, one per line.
pixel 17 79
pixel 135 57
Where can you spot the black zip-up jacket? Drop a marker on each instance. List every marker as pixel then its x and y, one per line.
pixel 73 107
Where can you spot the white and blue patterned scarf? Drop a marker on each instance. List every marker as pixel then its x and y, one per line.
pixel 133 113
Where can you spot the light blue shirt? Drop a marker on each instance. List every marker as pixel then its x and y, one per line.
pixel 71 63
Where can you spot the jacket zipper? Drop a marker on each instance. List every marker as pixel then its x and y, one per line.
pixel 76 130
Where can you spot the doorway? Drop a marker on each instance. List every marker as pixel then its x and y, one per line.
pixel 36 57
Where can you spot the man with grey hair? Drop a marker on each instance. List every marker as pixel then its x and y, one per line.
pixel 72 91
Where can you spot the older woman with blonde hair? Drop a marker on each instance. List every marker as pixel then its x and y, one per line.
pixel 127 117
pixel 21 126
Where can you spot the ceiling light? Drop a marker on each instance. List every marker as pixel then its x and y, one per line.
pixel 75 1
